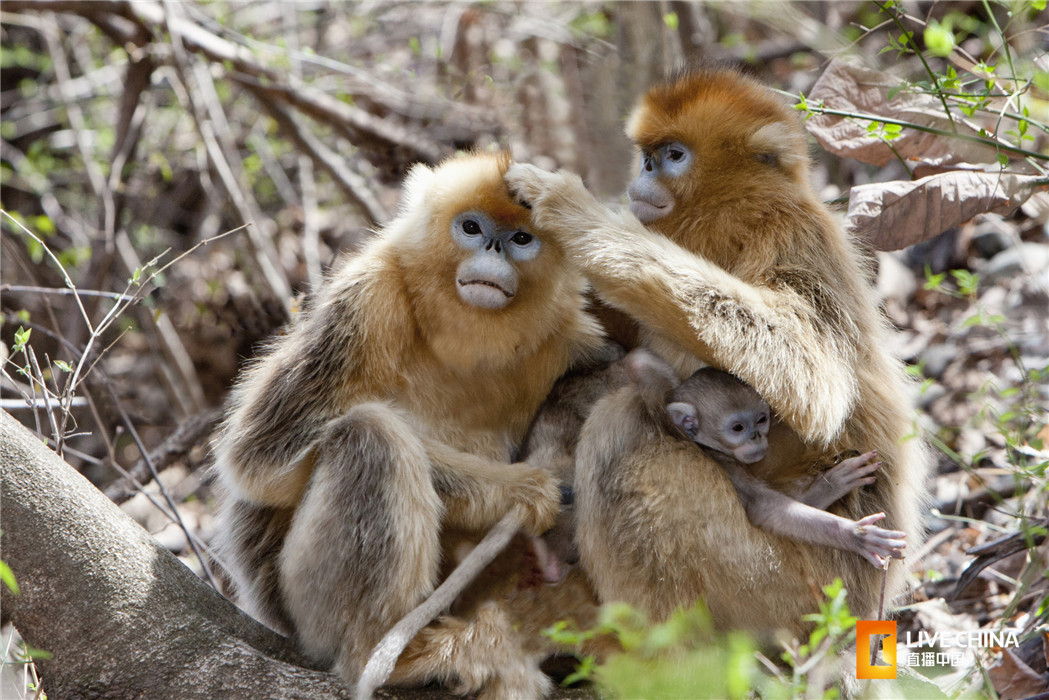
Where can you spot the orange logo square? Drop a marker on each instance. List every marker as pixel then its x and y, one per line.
pixel 864 630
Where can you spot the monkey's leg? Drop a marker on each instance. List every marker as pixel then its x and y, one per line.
pixel 484 654
pixel 363 548
pixel 385 655
pixel 249 548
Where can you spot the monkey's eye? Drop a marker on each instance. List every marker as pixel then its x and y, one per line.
pixel 522 238
pixel 471 228
pixel 738 427
pixel 763 419
pixel 675 155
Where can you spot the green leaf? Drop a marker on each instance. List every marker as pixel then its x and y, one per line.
pixel 21 338
pixel 583 672
pixel 1003 160
pixel 938 39
pixel 36 654
pixel 968 282
pixel 671 20
pixel 8 577
pixel 64 366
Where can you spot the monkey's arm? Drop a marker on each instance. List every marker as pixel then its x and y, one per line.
pixel 344 350
pixel 782 515
pixel 477 492
pixel 773 338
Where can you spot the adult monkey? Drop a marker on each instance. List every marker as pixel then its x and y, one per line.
pixel 728 259
pixel 378 431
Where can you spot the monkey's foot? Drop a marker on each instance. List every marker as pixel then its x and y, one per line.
pixel 876 544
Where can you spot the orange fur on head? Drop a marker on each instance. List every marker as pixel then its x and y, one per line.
pixel 428 257
pixel 743 138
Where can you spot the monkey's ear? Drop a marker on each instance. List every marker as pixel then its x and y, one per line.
pixel 646 367
pixel 776 144
pixel 683 416
pixel 417 186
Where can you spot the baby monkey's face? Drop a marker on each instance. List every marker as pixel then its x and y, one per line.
pixel 720 412
pixel 744 433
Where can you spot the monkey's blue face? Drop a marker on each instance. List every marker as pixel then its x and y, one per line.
pixel 650 198
pixel 488 277
pixel 746 433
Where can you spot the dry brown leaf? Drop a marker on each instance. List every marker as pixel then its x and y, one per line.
pixel 1013 679
pixel 849 88
pixel 894 215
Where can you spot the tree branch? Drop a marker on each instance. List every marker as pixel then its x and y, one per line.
pixel 119 614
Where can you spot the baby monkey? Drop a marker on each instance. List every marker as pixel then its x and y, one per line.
pixel 719 412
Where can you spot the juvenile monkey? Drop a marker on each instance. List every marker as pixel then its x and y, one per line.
pixel 719 412
pixel 377 433
pixel 728 259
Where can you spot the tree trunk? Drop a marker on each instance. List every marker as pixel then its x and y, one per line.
pixel 119 614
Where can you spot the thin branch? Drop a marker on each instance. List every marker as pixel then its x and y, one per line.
pixel 66 292
pixel 211 124
pixel 1001 145
pixel 350 182
pixel 58 264
pixel 76 120
pixel 932 76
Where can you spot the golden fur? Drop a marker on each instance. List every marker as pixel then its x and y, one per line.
pixel 384 419
pixel 752 275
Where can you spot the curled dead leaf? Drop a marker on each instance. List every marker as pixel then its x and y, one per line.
pixel 894 215
pixel 850 88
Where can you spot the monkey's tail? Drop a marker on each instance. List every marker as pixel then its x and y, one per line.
pixel 385 654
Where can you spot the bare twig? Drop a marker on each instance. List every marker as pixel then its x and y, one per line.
pixel 350 182
pixel 98 182
pixel 65 292
pixel 206 108
pixel 358 124
pixel 185 437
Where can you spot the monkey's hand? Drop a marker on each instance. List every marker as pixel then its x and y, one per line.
pixel 875 544
pixel 559 202
pixel 839 480
pixel 536 494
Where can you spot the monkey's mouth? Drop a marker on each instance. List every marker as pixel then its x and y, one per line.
pixel 464 283
pixel 483 293
pixel 649 211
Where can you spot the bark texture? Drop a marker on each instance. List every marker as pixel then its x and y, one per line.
pixel 120 615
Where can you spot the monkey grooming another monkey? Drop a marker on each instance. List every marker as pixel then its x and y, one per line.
pixel 719 412
pixel 727 258
pixel 376 434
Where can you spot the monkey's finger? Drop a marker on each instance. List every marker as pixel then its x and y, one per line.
pixel 870 520
pixel 865 469
pixel 873 558
pixel 857 461
pixel 527 182
pixel 886 546
pixel 853 471
pixel 876 535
